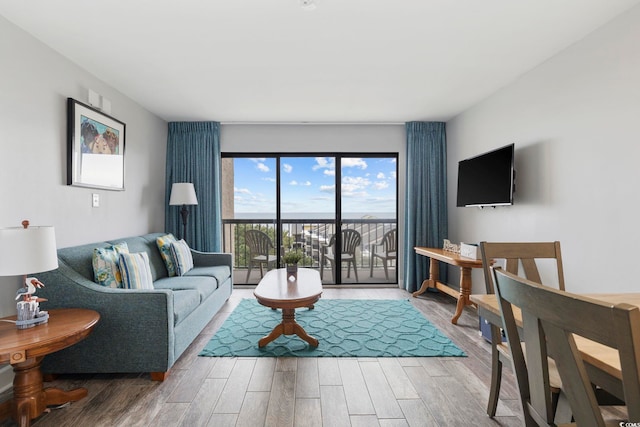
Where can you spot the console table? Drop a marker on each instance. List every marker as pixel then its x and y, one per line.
pixel 465 264
pixel 24 349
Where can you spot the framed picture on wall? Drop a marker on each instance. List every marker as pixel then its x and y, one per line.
pixel 95 148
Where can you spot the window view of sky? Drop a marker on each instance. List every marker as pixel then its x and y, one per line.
pixel 308 186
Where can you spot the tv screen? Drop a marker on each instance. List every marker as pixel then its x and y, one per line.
pixel 487 179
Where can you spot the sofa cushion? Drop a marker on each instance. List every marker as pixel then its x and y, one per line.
pixel 164 246
pixel 219 272
pixel 184 302
pixel 182 257
pixel 204 285
pixel 136 273
pixel 147 244
pixel 106 265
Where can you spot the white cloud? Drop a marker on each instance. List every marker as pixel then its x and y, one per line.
pixel 294 182
pixel 380 175
pixel 393 174
pixel 268 179
pixel 380 185
pixel 306 183
pixel 324 163
pixel 241 190
pixel 354 194
pixel 357 181
pixel 354 162
pixel 262 167
pixel 328 188
pixel 330 172
pixel 258 159
pixel 287 168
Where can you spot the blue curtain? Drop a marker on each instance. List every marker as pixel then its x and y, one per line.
pixel 425 219
pixel 193 155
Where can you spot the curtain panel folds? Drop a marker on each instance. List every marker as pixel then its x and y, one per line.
pixel 426 222
pixel 193 155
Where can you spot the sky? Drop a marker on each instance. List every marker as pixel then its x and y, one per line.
pixel 308 185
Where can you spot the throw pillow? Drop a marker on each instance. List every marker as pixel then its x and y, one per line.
pixel 164 245
pixel 106 265
pixel 136 271
pixel 182 257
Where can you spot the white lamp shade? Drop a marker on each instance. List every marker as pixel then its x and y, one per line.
pixel 183 193
pixel 27 250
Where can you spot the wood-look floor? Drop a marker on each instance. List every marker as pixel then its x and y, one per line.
pixel 244 391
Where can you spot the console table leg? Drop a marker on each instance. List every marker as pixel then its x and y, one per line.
pixel 465 291
pixel 434 274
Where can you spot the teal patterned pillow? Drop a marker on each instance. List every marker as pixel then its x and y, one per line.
pixel 106 265
pixel 136 271
pixel 164 245
pixel 182 257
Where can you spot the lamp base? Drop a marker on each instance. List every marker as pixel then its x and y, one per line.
pixel 42 317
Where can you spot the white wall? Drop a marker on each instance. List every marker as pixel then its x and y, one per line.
pixel 35 82
pixel 574 120
pixel 322 138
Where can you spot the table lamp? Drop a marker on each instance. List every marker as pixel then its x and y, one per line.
pixel 25 250
pixel 183 193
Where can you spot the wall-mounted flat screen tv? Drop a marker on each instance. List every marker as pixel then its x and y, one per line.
pixel 487 179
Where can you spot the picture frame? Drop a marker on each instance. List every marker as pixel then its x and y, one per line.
pixel 95 148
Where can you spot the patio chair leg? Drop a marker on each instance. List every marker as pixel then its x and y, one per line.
pixel 248 273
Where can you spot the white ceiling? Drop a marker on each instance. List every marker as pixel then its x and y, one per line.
pixel 345 61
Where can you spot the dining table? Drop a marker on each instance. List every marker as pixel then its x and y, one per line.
pixel 601 362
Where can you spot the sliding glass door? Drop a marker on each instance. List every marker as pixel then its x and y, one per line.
pixel 295 203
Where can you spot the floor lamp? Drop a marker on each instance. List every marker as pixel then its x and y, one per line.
pixel 183 193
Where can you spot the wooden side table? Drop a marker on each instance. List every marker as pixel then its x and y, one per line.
pixel 25 349
pixel 465 264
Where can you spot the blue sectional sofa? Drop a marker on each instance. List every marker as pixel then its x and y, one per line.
pixel 139 330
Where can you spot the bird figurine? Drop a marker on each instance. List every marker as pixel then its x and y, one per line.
pixel 26 293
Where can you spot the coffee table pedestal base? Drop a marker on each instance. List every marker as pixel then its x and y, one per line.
pixel 288 326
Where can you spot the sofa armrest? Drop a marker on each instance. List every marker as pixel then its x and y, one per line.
pixel 132 321
pixel 211 259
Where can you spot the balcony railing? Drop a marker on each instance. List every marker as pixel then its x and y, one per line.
pixel 310 236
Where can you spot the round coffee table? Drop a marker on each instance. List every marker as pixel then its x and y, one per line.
pixel 25 349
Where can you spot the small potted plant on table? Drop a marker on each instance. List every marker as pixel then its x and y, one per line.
pixel 291 260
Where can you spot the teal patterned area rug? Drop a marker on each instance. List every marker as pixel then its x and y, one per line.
pixel 345 328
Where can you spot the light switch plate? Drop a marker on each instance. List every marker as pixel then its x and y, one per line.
pixel 96 200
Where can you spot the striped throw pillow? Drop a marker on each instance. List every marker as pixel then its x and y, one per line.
pixel 136 271
pixel 182 257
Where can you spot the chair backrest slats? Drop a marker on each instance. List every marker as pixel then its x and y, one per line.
pixel 516 253
pixel 550 318
pixel 390 241
pixel 258 242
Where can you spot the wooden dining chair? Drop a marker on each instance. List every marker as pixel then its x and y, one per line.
pixel 551 321
pixel 527 254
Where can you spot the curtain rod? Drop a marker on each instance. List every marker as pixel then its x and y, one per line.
pixel 316 123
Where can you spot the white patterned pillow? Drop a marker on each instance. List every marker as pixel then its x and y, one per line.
pixel 182 257
pixel 106 265
pixel 164 245
pixel 136 271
